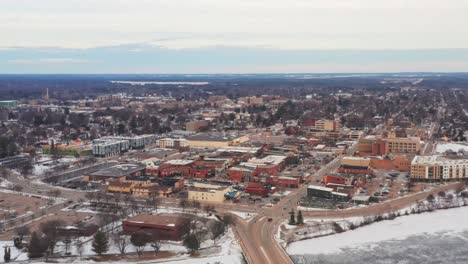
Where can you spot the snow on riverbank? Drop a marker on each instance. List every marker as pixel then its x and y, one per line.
pixel 450 220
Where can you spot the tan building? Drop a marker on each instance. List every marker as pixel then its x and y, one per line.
pixel 373 145
pixel 215 140
pixel 196 126
pixel 208 192
pixel 439 168
pixel 404 145
pixel 251 100
pixel 356 161
pixel 327 125
pixel 117 186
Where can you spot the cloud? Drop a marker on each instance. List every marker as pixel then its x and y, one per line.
pixel 49 61
pixel 293 24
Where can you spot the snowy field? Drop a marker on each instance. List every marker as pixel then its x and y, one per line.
pixel 442 147
pixel 436 237
pixel 227 251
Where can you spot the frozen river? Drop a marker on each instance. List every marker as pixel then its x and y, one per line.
pixel 437 237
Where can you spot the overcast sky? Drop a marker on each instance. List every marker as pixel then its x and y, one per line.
pixel 37 27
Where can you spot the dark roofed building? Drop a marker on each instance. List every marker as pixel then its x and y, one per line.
pixel 117 172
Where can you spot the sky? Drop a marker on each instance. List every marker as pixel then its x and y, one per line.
pixel 232 36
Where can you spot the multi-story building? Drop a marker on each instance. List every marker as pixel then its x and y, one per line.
pixel 323 124
pixel 436 167
pixel 206 192
pixel 404 145
pixel 375 146
pixel 107 148
pixel 174 143
pixel 112 146
pixel 327 125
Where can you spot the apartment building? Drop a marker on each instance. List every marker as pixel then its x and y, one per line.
pixel 436 167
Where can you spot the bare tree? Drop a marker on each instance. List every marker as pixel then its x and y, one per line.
pixel 184 203
pixel 209 209
pixel 227 220
pixel 4 173
pixel 154 202
pixel 54 193
pixel 156 243
pixel 79 247
pixel 217 229
pixel 50 231
pixel 90 196
pixel 17 188
pixel 121 242
pixel 196 204
pixel 22 231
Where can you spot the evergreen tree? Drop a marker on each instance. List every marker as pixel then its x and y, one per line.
pixel 300 218
pixel 192 243
pixel 100 243
pixel 292 219
pixel 37 246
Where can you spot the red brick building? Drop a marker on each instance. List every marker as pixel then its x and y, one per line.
pixel 291 182
pixel 164 226
pixel 335 179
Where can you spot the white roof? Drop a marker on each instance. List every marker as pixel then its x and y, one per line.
pixel 320 188
pixel 179 162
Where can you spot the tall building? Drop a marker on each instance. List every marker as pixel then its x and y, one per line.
pixel 377 146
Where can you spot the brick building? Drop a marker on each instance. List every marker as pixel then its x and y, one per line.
pixel 164 226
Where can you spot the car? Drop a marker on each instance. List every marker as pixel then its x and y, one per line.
pixel 270 219
pixel 269 205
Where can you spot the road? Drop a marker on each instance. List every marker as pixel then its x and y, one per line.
pixel 257 236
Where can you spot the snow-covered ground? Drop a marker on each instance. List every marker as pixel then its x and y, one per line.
pixel 47 164
pixel 244 215
pixel 447 222
pixel 282 194
pixel 442 147
pixel 226 251
pixel 16 255
pixel 6 184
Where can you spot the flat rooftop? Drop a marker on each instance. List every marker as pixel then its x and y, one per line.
pixel 438 159
pixel 179 162
pixel 218 137
pixel 119 170
pixel 321 188
pixel 160 220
